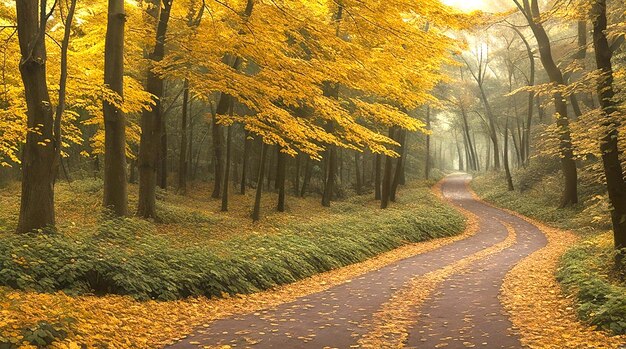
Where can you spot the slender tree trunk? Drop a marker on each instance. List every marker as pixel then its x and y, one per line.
pixel 460 154
pixel 507 170
pixel 256 212
pixel 568 164
pixel 115 182
pixel 182 161
pixel 217 138
pixel 132 178
pixel 190 174
pixel 357 173
pixel 377 177
pixel 428 164
pixel 38 173
pixel 307 176
pixel 525 140
pixel 151 124
pixel 280 180
pixel 329 188
pixel 364 180
pixel 400 138
pixel 229 132
pixel 244 164
pixel 613 170
pixel 386 185
pixel 162 159
pixel 296 179
pixel 270 170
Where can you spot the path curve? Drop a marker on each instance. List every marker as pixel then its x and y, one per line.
pixel 463 311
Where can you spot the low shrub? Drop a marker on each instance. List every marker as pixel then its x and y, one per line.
pixel 583 273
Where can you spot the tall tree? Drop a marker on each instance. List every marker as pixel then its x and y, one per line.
pixel 183 155
pixel 41 153
pixel 115 183
pixel 609 144
pixel 151 121
pixel 530 10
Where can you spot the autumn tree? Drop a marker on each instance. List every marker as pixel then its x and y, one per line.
pixel 530 10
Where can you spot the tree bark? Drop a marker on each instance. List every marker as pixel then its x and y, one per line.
pixel 357 172
pixel 244 164
pixel 613 171
pixel 38 158
pixel 115 183
pixel 217 138
pixel 256 212
pixel 507 169
pixel 162 158
pixel 296 177
pixel 428 164
pixel 280 179
pixel 377 177
pixel 397 177
pixel 151 124
pixel 182 161
pixel 307 176
pixel 386 185
pixel 229 132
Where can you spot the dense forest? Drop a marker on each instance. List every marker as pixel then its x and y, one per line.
pixel 175 163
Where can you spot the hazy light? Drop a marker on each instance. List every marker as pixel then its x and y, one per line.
pixel 482 5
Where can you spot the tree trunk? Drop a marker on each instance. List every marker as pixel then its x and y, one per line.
pixel 507 170
pixel 296 179
pixel 280 180
pixel 182 161
pixel 256 212
pixel 307 176
pixel 460 154
pixel 162 159
pixel 610 152
pixel 397 177
pixel 37 199
pixel 217 138
pixel 115 182
pixel 568 164
pixel 428 164
pixel 386 185
pixel 525 140
pixel 151 124
pixel 377 179
pixel 132 178
pixel 229 132
pixel 244 163
pixel 330 179
pixel 357 173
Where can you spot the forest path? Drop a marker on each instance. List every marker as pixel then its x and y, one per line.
pixel 445 298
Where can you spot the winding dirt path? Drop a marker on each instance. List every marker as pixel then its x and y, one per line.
pixel 445 298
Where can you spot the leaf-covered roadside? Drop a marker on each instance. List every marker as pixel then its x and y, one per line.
pixel 584 270
pixel 127 262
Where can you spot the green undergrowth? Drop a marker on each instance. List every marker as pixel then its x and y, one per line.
pixel 586 272
pixel 126 256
